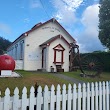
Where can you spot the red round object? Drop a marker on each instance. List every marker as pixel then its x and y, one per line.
pixel 7 62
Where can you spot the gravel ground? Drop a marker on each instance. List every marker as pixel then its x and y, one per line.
pixel 72 80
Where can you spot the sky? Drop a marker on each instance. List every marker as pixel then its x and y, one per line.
pixel 78 17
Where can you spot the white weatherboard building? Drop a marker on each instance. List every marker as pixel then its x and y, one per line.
pixel 45 47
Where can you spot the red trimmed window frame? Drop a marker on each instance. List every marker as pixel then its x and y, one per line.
pixel 62 54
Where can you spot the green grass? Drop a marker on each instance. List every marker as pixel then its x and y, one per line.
pixel 105 76
pixel 29 79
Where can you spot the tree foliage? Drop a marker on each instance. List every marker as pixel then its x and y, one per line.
pixel 4 43
pixel 104 23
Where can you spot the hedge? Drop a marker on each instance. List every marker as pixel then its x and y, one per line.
pixel 103 56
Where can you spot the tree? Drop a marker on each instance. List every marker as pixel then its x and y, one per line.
pixel 4 45
pixel 104 23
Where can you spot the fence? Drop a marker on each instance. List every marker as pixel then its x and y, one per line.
pixel 90 96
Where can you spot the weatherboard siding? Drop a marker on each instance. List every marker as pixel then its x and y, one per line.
pixel 65 65
pixel 32 49
pixel 32 52
pixel 16 54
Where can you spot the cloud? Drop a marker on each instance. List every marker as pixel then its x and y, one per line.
pixel 67 4
pixel 96 1
pixel 88 39
pixel 26 20
pixel 66 17
pixel 90 14
pixel 65 10
pixel 85 27
pixel 35 4
pixel 5 28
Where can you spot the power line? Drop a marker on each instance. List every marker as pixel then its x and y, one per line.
pixel 44 8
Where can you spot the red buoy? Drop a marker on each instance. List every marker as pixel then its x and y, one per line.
pixel 7 62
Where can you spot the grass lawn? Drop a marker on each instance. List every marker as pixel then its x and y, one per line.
pixel 29 79
pixel 105 76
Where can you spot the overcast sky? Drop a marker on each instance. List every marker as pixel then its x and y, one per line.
pixel 78 17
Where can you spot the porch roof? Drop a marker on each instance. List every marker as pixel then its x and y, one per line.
pixel 49 41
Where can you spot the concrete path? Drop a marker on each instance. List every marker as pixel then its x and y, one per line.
pixel 71 79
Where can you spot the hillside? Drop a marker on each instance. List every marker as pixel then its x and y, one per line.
pixel 4 43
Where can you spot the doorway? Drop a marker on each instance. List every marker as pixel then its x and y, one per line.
pixel 44 51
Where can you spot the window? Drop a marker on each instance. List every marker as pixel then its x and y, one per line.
pixel 16 51
pixel 21 49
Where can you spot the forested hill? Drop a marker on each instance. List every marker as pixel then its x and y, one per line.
pixel 4 43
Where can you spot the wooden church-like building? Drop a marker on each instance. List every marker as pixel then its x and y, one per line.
pixel 45 47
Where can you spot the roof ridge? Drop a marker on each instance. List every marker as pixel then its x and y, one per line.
pixel 37 26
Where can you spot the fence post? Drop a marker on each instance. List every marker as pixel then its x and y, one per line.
pixel 15 99
pixel 92 96
pixel 74 97
pixel 100 96
pixel 107 95
pixel 52 96
pixel 88 96
pixel 96 96
pixel 7 99
pixel 103 92
pixel 69 97
pixel 46 96
pixel 84 97
pixel 31 101
pixel 58 98
pixel 79 96
pixel 39 98
pixel 24 99
pixel 64 97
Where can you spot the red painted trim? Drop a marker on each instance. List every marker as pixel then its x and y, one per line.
pixel 42 57
pixel 60 46
pixel 58 62
pixel 56 37
pixel 54 56
pixel 62 54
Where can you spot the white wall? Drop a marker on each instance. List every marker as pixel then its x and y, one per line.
pixel 33 53
pixel 65 65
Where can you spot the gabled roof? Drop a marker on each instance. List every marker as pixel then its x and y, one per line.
pixel 59 47
pixel 51 20
pixel 38 26
pixel 49 41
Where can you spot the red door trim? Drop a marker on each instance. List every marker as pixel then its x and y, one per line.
pixel 43 56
